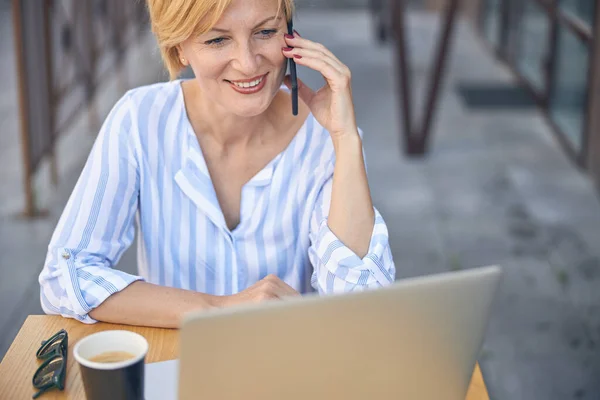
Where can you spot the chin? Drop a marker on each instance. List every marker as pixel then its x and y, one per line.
pixel 252 107
pixel 249 112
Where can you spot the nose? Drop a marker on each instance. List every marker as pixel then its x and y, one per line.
pixel 246 59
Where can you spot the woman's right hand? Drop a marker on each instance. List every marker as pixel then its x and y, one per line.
pixel 269 288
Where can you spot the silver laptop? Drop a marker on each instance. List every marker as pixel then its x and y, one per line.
pixel 416 339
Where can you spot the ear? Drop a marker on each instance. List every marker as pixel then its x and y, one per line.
pixel 182 58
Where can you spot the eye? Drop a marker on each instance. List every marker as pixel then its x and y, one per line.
pixel 215 42
pixel 267 32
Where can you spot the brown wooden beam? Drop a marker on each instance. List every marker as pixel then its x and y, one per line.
pixel 437 74
pixel 416 138
pixel 592 136
pixel 29 209
pixel 403 67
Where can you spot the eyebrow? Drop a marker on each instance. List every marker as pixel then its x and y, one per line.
pixel 275 17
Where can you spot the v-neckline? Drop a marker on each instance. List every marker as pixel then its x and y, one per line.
pixel 261 178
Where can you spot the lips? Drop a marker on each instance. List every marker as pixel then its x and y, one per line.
pixel 248 80
pixel 249 86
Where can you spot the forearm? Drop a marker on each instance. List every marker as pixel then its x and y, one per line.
pixel 145 304
pixel 351 214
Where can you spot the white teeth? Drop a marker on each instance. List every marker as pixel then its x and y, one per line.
pixel 248 84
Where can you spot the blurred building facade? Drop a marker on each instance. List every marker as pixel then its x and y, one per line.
pixel 553 47
pixel 64 51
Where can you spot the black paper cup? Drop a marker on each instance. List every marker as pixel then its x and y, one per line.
pixel 118 380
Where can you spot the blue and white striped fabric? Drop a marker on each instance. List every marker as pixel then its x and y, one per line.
pixel 146 170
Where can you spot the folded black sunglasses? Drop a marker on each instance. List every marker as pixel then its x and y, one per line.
pixel 51 374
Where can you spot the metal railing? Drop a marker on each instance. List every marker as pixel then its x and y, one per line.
pixel 391 21
pixel 65 50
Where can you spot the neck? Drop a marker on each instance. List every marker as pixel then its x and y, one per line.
pixel 224 129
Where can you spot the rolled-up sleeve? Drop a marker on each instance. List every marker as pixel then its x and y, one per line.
pixel 96 226
pixel 336 267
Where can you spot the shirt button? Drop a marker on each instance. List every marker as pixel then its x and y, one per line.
pixel 66 255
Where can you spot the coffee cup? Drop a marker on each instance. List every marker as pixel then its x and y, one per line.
pixel 112 365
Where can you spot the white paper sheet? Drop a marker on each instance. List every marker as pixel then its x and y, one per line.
pixel 160 381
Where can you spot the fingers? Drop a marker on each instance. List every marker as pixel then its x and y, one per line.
pixel 282 289
pixel 298 41
pixel 299 53
pixel 269 288
pixel 318 57
pixel 332 75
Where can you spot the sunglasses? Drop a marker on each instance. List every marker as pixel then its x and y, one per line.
pixel 51 374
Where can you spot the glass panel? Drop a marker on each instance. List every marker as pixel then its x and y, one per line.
pixel 491 21
pixel 533 44
pixel 584 9
pixel 569 86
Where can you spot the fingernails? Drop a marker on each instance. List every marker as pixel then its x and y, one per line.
pixel 297 56
pixel 288 36
pixel 287 48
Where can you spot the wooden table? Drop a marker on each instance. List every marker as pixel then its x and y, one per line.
pixel 19 364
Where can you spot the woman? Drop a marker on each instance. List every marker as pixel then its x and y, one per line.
pixel 235 199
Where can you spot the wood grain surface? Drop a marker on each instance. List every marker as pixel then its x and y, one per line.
pixel 19 363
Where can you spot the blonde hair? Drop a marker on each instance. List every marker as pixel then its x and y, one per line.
pixel 174 21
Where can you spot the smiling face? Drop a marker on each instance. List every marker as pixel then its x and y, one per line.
pixel 239 64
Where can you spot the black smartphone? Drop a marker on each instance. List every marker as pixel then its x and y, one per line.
pixel 293 74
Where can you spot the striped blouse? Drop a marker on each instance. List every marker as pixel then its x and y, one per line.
pixel 146 171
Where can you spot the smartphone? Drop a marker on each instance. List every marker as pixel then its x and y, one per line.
pixel 293 74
